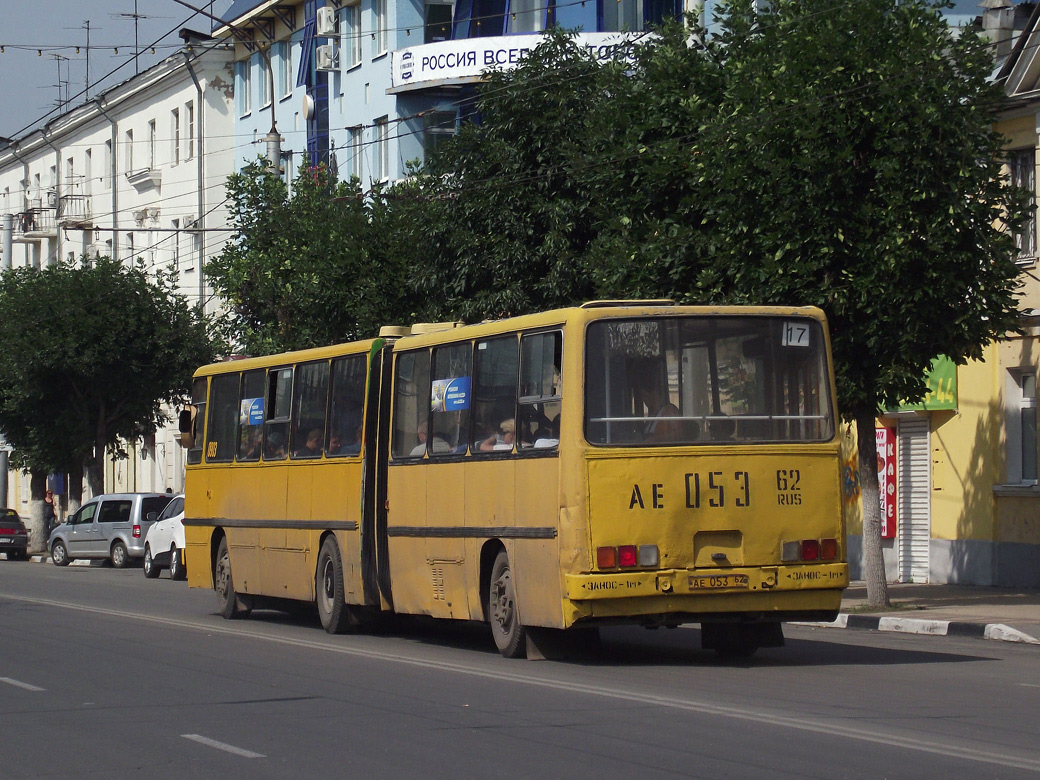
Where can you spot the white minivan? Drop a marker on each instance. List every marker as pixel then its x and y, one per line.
pixel 164 543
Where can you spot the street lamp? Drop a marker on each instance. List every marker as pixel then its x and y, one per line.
pixel 274 141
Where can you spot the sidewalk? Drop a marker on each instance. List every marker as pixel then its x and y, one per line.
pixel 1005 614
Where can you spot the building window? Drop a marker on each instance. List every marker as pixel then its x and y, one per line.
pixel 189 126
pixel 152 162
pixel 176 224
pixel 88 171
pixel 353 152
pixel 379 29
pixel 1022 163
pixel 527 16
pixel 243 87
pixel 70 173
pixel 129 151
pixel 438 21
pixel 265 80
pixel 175 134
pixel 438 127
pixel 1021 427
pixel 283 62
pixel 351 27
pixel 380 152
pixel 108 161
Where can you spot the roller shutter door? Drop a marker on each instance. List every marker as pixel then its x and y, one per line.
pixel 913 533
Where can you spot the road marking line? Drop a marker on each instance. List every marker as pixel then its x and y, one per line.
pixel 813 725
pixel 223 746
pixel 18 684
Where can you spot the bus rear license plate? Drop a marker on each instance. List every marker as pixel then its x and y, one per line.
pixel 720 581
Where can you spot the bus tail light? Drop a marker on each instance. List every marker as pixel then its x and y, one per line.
pixel 828 549
pixel 809 550
pixel 627 556
pixel 648 555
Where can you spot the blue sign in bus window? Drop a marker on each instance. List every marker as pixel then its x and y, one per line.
pixel 252 411
pixel 450 395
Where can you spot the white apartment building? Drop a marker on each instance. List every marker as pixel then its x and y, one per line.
pixel 136 173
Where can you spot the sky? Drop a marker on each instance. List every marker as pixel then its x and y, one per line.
pixel 39 40
pixel 39 36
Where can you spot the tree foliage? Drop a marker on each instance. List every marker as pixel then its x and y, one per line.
pixel 306 268
pixel 92 355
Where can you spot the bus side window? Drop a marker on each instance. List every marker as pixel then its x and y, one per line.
pixel 198 400
pixel 276 412
pixel 251 416
pixel 450 399
pixel 310 399
pixel 223 418
pixel 346 406
pixel 494 395
pixel 541 358
pixel 411 404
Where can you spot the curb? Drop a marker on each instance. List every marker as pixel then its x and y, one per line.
pixel 995 631
pixel 41 558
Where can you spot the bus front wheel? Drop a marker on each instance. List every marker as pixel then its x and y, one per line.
pixel 510 637
pixel 336 615
pixel 230 603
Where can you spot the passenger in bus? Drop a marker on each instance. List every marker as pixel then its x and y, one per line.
pixel 419 449
pixel 274 446
pixel 353 448
pixel 311 446
pixel 653 397
pixel 501 441
pixel 546 438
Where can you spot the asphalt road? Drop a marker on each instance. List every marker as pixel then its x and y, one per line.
pixel 106 674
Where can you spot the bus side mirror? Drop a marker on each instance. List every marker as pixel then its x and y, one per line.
pixel 186 426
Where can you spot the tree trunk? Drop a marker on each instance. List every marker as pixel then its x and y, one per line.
pixel 75 489
pixel 38 530
pixel 873 560
pixel 94 470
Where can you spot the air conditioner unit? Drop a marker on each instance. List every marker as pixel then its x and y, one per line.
pixel 325 57
pixel 326 21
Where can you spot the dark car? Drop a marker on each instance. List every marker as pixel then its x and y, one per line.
pixel 14 539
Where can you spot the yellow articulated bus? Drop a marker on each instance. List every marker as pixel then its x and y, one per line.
pixel 618 462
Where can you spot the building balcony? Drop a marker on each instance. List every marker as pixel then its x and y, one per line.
pixel 74 212
pixel 144 178
pixel 36 223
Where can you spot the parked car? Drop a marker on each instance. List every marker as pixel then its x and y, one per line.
pixel 164 543
pixel 110 526
pixel 14 539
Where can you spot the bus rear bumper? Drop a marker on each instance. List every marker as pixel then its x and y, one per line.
pixel 772 593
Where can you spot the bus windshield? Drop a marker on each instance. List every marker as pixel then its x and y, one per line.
pixel 688 380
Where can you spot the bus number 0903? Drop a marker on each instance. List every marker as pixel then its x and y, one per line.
pixel 712 487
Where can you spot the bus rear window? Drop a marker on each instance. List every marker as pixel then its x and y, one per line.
pixel 689 380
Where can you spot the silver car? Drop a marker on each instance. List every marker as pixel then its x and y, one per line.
pixel 110 526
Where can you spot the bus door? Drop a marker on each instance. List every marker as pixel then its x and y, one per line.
pixel 375 561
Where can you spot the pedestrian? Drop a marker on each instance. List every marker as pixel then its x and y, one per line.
pixel 50 517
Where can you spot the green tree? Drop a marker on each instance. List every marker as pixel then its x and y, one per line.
pixel 92 356
pixel 839 155
pixel 501 218
pixel 306 268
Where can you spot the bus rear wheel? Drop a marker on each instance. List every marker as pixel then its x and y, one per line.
pixel 231 604
pixel 336 615
pixel 509 634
